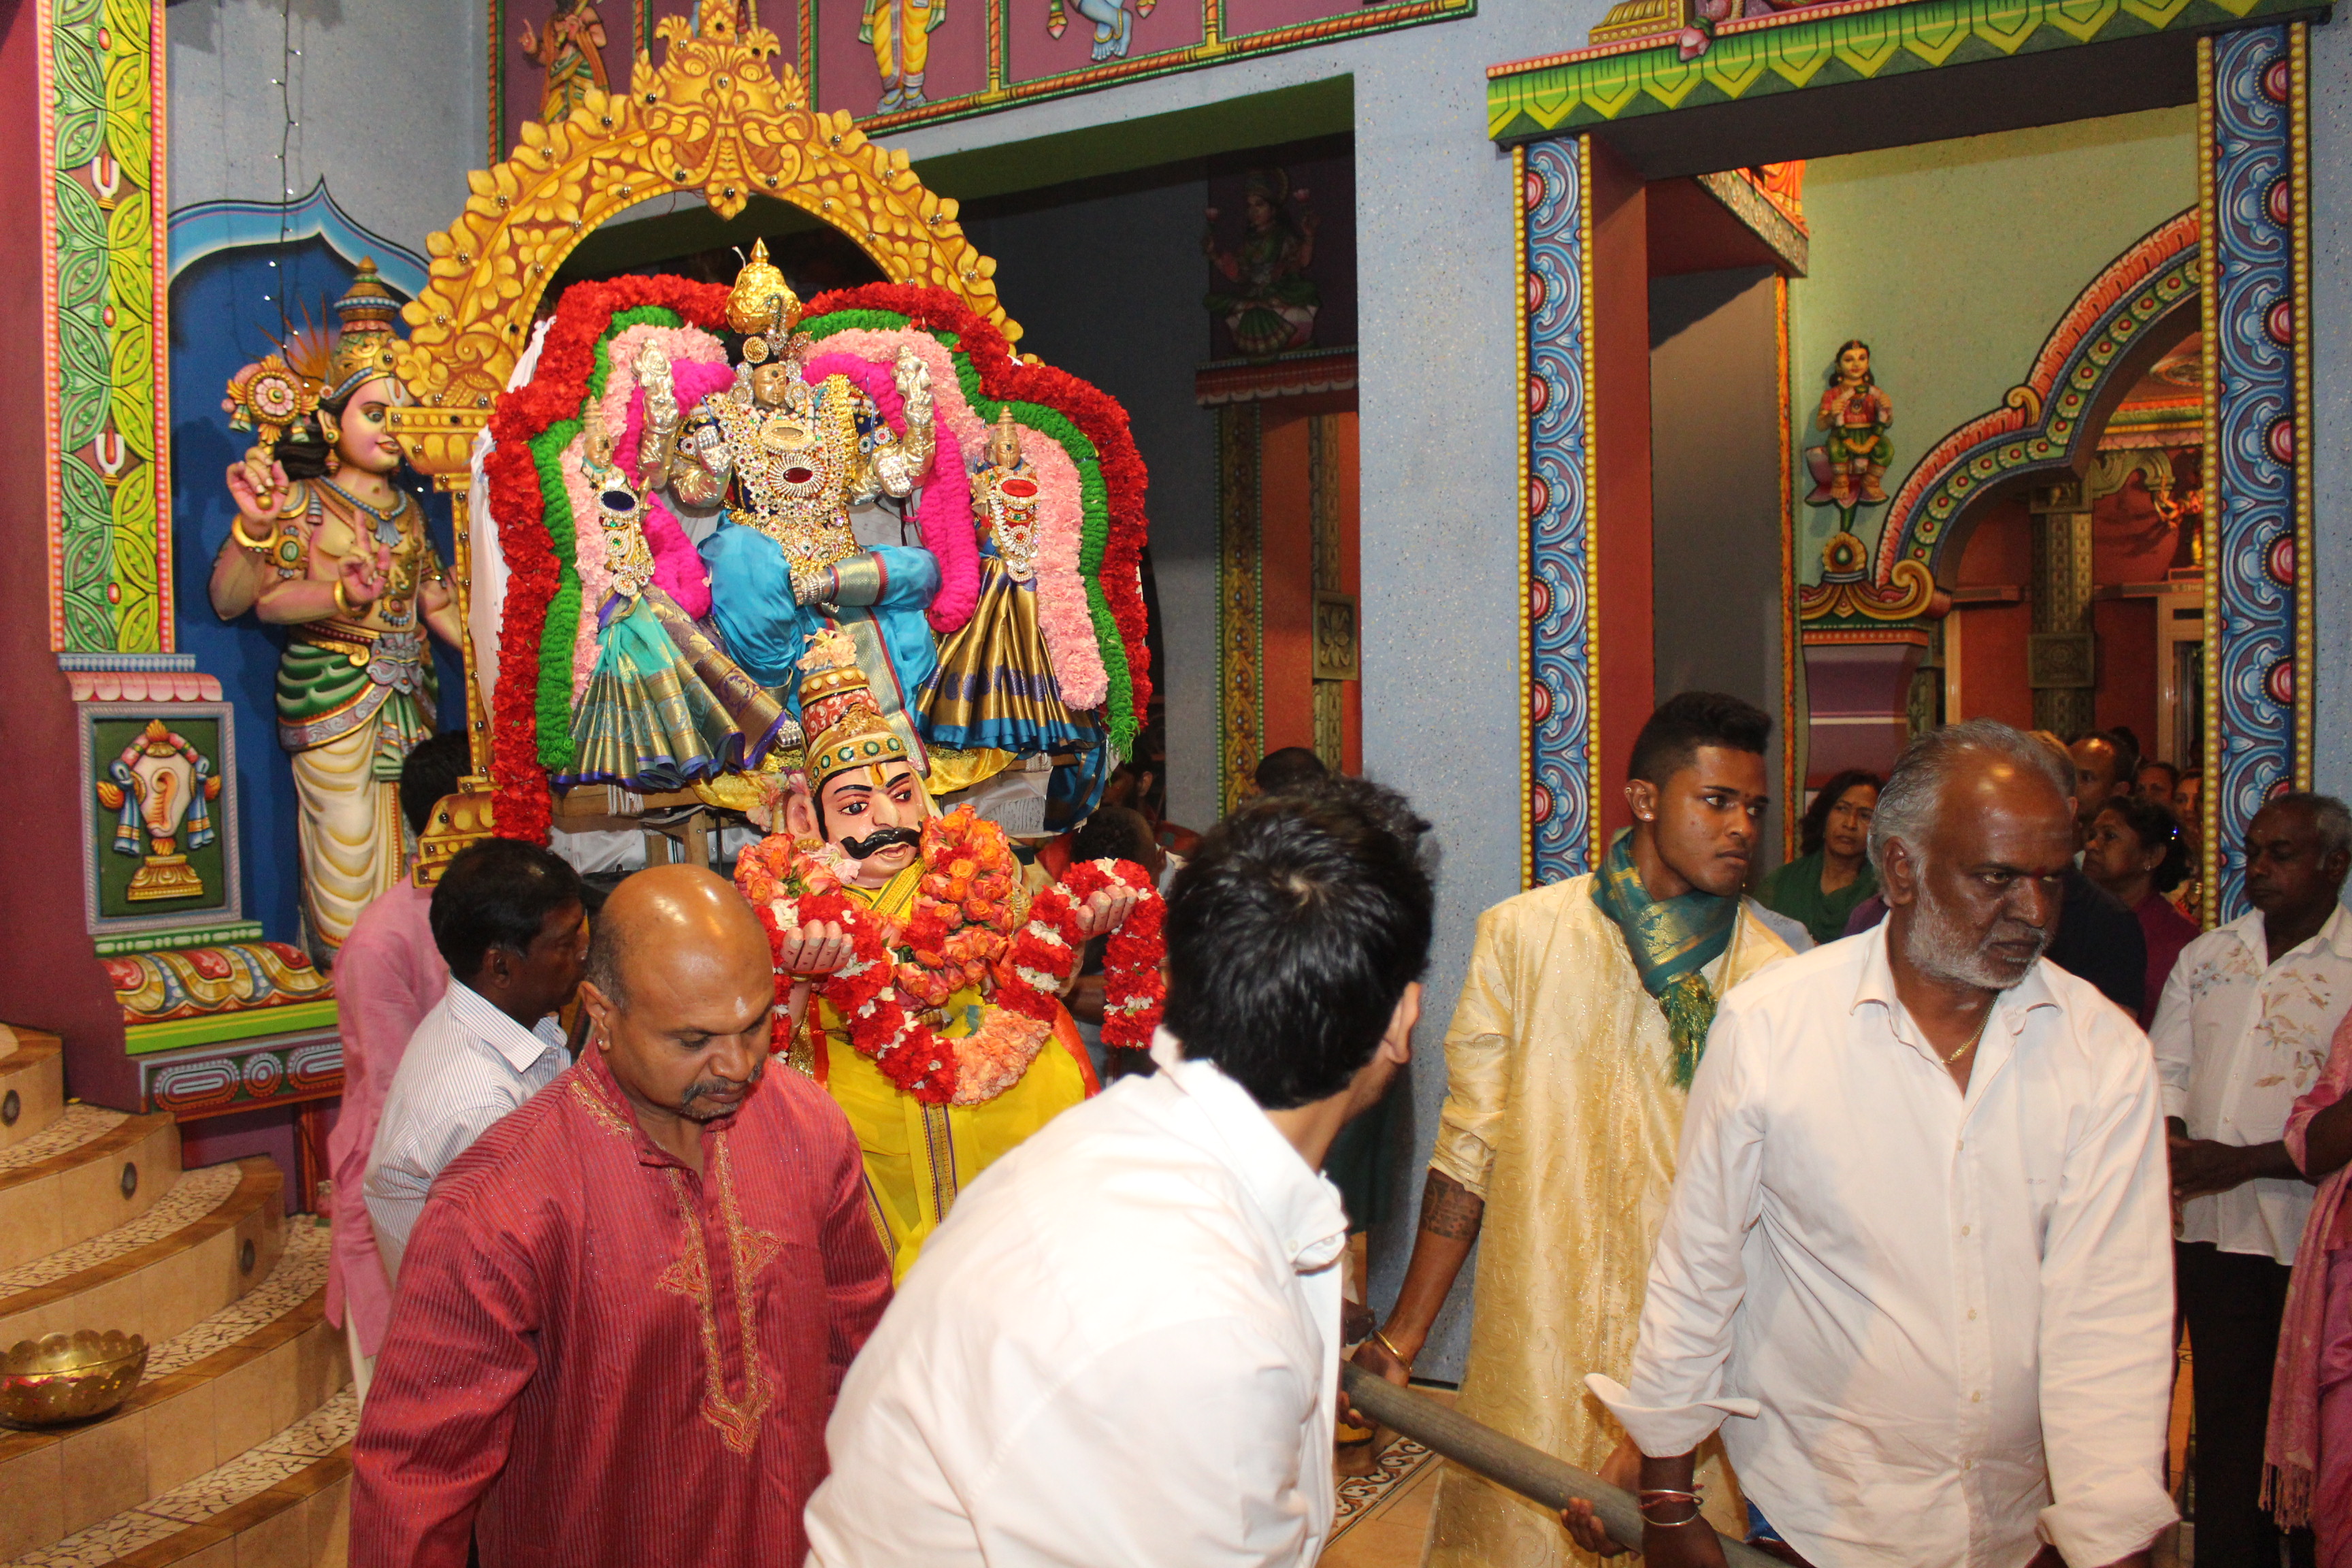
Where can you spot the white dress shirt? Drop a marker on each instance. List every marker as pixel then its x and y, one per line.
pixel 2237 1040
pixel 1933 1314
pixel 467 1066
pixel 1122 1347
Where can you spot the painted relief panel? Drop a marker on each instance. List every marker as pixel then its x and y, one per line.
pixel 894 63
pixel 1049 38
pixel 883 57
pixel 551 52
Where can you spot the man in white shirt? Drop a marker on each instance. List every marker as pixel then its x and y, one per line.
pixel 1123 1347
pixel 2242 1030
pixel 1918 1241
pixel 508 917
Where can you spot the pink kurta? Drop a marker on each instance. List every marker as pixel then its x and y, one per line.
pixel 600 1358
pixel 387 978
pixel 2308 1451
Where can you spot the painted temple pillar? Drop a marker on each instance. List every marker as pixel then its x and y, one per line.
pixel 2061 655
pixel 125 931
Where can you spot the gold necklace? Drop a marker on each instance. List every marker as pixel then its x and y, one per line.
pixel 1954 1060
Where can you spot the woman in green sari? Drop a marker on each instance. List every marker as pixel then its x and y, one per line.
pixel 1823 885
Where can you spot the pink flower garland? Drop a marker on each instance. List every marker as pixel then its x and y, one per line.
pixel 1062 612
pixel 944 512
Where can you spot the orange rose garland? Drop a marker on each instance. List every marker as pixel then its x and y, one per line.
pixel 958 935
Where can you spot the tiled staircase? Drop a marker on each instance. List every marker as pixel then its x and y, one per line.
pixel 234 1452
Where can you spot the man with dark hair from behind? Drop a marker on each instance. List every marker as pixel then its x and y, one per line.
pixel 388 976
pixel 509 922
pixel 1580 1023
pixel 1290 769
pixel 1123 1345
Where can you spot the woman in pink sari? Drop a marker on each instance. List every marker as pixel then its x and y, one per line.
pixel 2307 1454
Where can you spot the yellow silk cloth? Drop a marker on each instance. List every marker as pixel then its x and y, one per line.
pixel 918 1156
pixel 1562 1112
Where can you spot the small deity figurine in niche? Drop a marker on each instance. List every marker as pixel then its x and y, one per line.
pixel 1114 23
pixel 1849 469
pixel 900 33
pixel 1273 302
pixel 324 545
pixel 571 51
pixel 791 459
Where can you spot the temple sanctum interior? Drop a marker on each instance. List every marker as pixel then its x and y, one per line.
pixel 609 426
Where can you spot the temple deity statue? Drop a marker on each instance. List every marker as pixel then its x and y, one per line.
pixel 995 686
pixel 664 706
pixel 915 977
pixel 790 460
pixel 1849 469
pixel 324 545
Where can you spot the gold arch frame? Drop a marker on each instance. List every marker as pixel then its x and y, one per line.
pixel 713 117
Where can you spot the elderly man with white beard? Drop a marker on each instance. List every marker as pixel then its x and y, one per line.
pixel 1918 1250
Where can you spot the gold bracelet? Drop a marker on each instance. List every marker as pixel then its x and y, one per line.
pixel 342 603
pixel 1380 1338
pixel 236 531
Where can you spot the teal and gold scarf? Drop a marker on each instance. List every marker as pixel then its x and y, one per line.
pixel 1671 940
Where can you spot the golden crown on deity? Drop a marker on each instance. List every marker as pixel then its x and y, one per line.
pixel 762 307
pixel 845 727
pixel 364 348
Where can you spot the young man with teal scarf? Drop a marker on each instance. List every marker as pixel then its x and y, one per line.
pixel 1582 1020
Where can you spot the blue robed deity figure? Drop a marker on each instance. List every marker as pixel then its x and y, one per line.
pixel 790 459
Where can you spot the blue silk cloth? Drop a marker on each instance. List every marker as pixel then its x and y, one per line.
pixel 767 632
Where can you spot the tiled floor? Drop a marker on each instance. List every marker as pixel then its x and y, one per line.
pixel 1389 1534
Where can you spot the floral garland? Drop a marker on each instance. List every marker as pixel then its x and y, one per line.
pixel 1112 555
pixel 959 933
pixel 1062 613
pixel 558 388
pixel 944 512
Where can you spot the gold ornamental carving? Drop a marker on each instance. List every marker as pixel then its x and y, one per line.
pixel 713 117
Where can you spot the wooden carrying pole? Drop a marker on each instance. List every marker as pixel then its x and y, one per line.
pixel 1530 1472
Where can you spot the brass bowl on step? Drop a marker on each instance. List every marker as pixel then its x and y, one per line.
pixel 70 1377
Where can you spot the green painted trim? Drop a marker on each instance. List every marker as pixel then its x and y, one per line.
pixel 1223 50
pixel 1312 109
pixel 175 941
pixel 1827 51
pixel 145 1040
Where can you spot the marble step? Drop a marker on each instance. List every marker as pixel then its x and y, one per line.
pixel 284 1503
pixel 90 1171
pixel 32 1083
pixel 236 1380
pixel 205 1243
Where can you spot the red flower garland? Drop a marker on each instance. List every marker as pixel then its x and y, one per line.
pixel 557 389
pixel 791 889
pixel 1098 415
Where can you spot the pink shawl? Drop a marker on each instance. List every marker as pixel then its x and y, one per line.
pixel 2290 1446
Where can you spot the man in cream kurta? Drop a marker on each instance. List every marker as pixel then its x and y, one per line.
pixel 1582 1020
pixel 1562 1113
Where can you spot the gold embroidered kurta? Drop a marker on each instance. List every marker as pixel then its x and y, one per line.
pixel 918 1156
pixel 1562 1112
